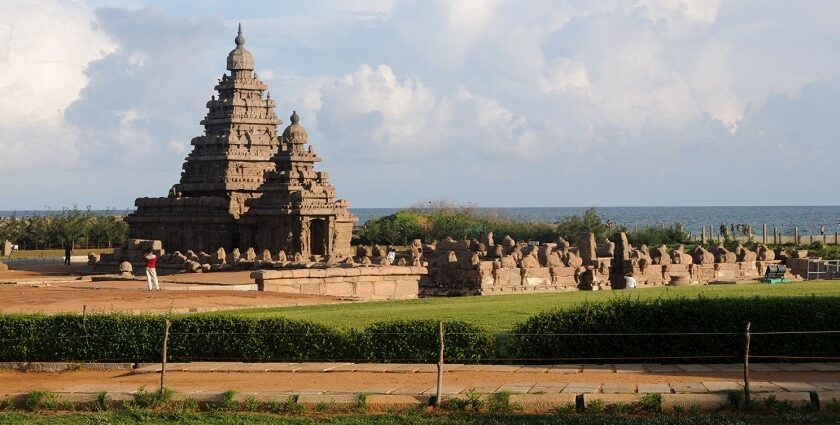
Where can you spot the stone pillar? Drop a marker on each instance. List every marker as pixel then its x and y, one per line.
pixel 764 233
pixel 586 248
pixel 775 234
pixel 836 238
pixel 303 239
pixel 796 235
pixel 703 235
pixel 622 254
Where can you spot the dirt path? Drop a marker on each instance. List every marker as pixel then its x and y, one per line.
pixel 55 288
pixel 92 381
pixel 57 299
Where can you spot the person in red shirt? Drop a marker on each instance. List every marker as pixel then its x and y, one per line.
pixel 151 269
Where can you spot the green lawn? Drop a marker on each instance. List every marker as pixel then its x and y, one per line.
pixel 501 312
pixel 389 419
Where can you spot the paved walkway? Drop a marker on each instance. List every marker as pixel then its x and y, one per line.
pixel 419 379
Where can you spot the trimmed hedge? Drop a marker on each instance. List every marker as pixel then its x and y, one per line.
pixel 418 339
pixel 700 315
pixel 588 333
pixel 116 337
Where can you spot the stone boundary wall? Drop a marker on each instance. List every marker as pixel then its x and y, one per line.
pixel 364 283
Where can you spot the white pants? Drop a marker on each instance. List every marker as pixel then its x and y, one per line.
pixel 151 276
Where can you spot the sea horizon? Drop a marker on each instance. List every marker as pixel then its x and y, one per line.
pixel 809 219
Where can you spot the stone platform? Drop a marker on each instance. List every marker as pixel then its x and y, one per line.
pixel 361 283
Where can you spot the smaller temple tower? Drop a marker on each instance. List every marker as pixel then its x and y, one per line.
pixel 298 211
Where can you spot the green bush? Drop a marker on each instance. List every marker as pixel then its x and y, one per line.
pixel 655 236
pixel 116 337
pixel 570 227
pixel 603 324
pixel 418 341
pixel 429 224
pixel 55 228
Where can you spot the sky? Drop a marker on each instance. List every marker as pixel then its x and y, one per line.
pixel 490 102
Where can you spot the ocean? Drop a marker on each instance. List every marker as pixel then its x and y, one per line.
pixel 807 218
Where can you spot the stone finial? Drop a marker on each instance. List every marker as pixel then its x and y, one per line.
pixel 240 39
pixel 294 118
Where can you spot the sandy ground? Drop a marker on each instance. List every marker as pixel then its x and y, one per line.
pixel 18 299
pixel 91 381
pixel 54 288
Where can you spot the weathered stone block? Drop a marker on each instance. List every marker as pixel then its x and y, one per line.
pixel 611 399
pixel 342 289
pixel 542 402
pixel 335 272
pixel 704 403
pixel 384 288
pixel 341 400
pixel 388 402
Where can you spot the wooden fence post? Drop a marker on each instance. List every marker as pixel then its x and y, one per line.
pixel 163 357
pixel 747 366
pixel 438 394
pixel 703 235
pixel 764 233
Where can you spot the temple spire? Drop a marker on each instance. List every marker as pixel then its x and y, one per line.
pixel 240 39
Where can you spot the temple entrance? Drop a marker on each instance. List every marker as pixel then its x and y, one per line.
pixel 318 236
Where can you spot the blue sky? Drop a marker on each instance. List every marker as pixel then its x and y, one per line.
pixel 493 102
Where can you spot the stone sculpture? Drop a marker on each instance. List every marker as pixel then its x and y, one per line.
pixel 607 249
pixel 659 255
pixel 126 269
pixel 679 256
pixel 723 255
pixel 487 239
pixel 701 256
pixel 765 254
pixel 508 241
pixel 562 244
pixel 743 254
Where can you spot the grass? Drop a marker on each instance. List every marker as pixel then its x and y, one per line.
pixel 502 312
pixel 217 418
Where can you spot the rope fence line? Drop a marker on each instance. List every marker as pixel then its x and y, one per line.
pixel 166 337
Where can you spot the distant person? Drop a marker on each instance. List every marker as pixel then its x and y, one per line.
pixel 68 252
pixel 822 230
pixel 151 269
pixel 629 281
pixel 392 255
pixel 723 231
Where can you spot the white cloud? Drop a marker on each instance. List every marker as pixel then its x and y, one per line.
pixel 564 75
pixel 400 114
pixel 505 92
pixel 44 52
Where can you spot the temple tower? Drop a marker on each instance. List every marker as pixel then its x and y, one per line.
pixel 241 164
pixel 298 211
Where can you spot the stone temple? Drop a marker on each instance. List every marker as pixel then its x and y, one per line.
pixel 246 185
